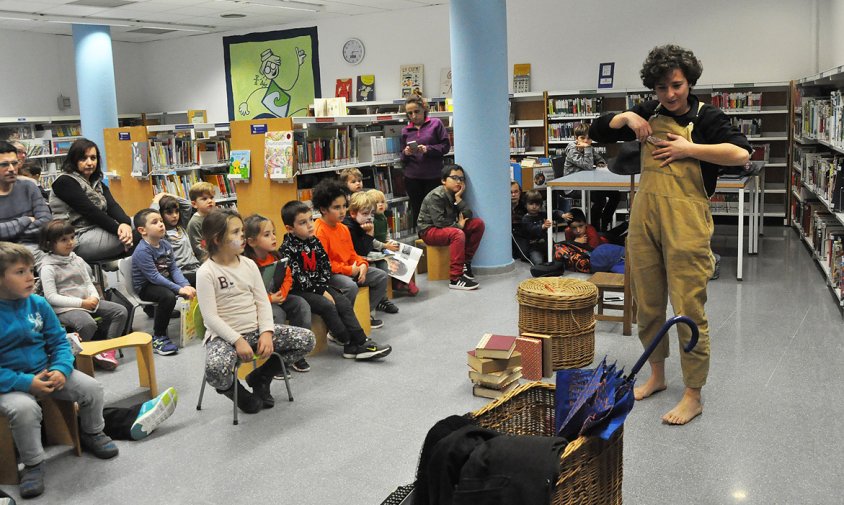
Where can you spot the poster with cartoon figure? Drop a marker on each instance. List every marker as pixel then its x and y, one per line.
pixel 271 74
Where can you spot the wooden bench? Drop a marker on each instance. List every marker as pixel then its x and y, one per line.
pixel 607 282
pixel 361 311
pixel 437 260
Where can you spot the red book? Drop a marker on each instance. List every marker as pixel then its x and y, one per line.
pixel 531 350
pixel 495 346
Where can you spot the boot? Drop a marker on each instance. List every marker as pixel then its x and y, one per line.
pixel 246 401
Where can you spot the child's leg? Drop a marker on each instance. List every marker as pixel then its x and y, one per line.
pixel 322 307
pixel 536 255
pixel 474 232
pixel 24 415
pixel 114 316
pixel 81 322
pixel 297 310
pixel 166 302
pixel 455 239
pixel 292 343
pixel 348 319
pixel 220 360
pixel 345 285
pixel 88 393
pixel 377 282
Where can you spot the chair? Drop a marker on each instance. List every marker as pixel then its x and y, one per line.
pixel 607 282
pixel 59 425
pixel 438 260
pixel 124 270
pixel 100 266
pixel 142 342
pixel 241 369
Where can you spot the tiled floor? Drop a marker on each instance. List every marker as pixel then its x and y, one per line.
pixel 771 431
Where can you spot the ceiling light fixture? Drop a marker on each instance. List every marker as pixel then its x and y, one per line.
pixel 249 3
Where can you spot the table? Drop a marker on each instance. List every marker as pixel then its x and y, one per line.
pixel 602 179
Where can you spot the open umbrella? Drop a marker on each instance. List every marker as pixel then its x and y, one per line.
pixel 596 402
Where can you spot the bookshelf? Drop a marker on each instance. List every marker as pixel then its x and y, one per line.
pixel 816 209
pixel 527 125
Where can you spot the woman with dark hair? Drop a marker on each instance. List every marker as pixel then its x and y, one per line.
pixel 683 144
pixel 424 142
pixel 103 230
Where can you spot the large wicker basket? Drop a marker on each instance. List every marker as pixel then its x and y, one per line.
pixel 590 468
pixel 565 309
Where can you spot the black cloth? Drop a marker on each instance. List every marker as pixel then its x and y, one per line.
pixel 438 431
pixel 69 191
pixel 417 190
pixel 603 208
pixel 712 126
pixel 361 240
pixel 118 421
pixel 165 300
pixel 339 316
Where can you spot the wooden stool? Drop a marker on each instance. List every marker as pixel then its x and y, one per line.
pixel 362 309
pixel 58 420
pixel 607 282
pixel 142 342
pixel 321 334
pixel 438 260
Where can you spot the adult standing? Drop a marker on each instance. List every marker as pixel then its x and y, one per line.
pixel 683 142
pixel 103 230
pixel 424 143
pixel 22 208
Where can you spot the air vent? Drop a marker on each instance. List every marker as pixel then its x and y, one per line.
pixel 232 15
pixel 150 31
pixel 102 3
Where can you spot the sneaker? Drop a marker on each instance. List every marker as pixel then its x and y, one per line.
pixel 246 401
pixel 333 339
pixel 366 351
pixel 32 481
pixel 6 499
pixel 375 323
pixel 301 366
pixel 280 376
pixel 260 385
pixel 98 444
pixel 412 288
pixel 163 346
pixel 387 306
pixel 106 360
pixel 464 283
pixel 717 272
pixel 153 413
pixel 467 271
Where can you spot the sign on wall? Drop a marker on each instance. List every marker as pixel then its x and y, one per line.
pixel 272 74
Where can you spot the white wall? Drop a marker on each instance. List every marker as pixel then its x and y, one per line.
pixel 831 39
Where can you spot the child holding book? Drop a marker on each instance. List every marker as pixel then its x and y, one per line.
pixel 446 219
pixel 262 248
pixel 202 199
pixel 348 268
pixel 382 240
pixel 156 277
pixel 36 361
pixel 238 317
pixel 311 273
pixel 176 213
pixel 580 155
pixel 352 179
pixel 68 288
pixel 359 222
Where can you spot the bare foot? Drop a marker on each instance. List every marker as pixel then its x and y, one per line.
pixel 652 386
pixel 690 406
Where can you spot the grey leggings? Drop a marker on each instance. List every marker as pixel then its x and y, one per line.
pixel 96 244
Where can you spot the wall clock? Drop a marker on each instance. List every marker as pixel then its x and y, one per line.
pixel 353 51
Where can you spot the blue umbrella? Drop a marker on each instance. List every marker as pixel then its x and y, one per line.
pixel 596 402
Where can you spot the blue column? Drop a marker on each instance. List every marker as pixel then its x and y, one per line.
pixel 481 120
pixel 95 82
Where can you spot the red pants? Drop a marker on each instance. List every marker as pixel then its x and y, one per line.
pixel 462 244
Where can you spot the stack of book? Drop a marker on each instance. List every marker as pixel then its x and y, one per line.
pixel 494 366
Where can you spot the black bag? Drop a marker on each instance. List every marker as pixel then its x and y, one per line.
pixel 629 159
pixel 554 268
pixel 117 296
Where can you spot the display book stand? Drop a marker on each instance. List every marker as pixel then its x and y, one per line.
pixel 816 192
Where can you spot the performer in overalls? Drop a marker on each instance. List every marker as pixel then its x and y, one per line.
pixel 684 142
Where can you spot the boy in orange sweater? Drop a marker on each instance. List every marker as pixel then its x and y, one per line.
pixel 348 269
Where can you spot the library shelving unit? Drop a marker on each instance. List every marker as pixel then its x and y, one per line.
pixel 528 125
pixel 564 110
pixel 816 209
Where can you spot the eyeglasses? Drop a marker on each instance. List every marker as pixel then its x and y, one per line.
pixel 6 164
pixel 458 178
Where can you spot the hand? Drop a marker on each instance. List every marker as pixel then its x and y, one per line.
pixel 265 344
pixel 243 350
pixel 422 148
pixel 546 224
pixel 328 296
pixel 187 292
pixel 369 228
pixel 41 384
pixel 638 124
pixel 408 151
pixel 243 109
pixel 124 233
pixel 362 276
pixel 157 198
pixel 90 303
pixel 393 246
pixel 461 221
pixel 673 149
pixel 582 145
pixel 567 216
pixel 300 54
pixel 355 271
pixel 458 197
pixel 57 379
pixel 581 239
pixel 277 297
pixel 31 219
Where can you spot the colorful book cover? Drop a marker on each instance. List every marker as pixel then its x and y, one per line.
pixel 240 164
pixel 445 81
pixel 366 88
pixel 344 89
pixel 402 264
pixel 521 77
pixel 531 350
pixel 411 78
pixel 278 155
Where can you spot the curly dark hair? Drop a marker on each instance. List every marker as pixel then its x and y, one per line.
pixel 662 60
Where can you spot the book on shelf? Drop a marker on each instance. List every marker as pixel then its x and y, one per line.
pixel 240 163
pixel 343 88
pixel 737 101
pixel 196 116
pixel 224 188
pixel 278 154
pixel 323 148
pixel 495 346
pixel 330 107
pixel 521 77
pixel 411 79
pixel 366 88
pixel 495 380
pixel 494 393
pixel 140 153
pixel 490 365
pixel 577 106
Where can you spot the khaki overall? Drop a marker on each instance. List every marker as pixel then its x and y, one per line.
pixel 669 251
